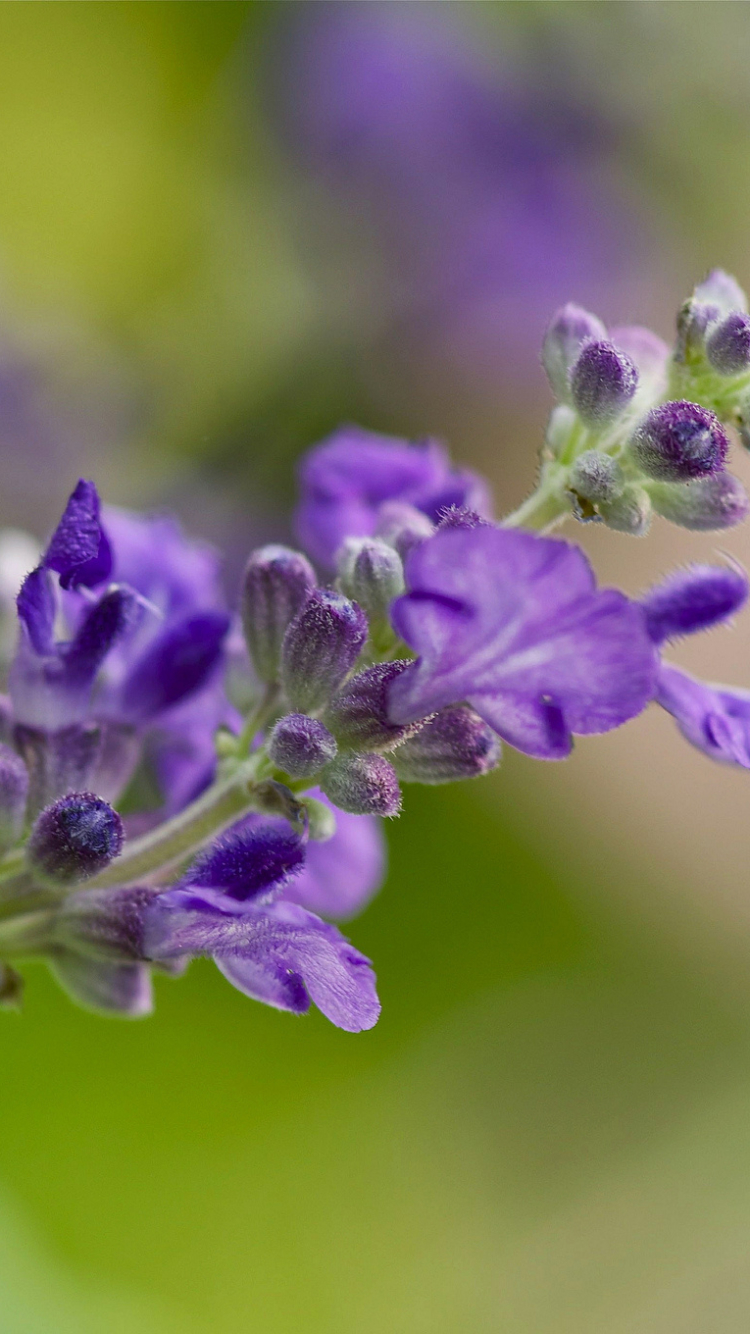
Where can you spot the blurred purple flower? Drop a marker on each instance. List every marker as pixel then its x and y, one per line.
pixel 480 184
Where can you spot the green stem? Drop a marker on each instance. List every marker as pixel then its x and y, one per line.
pixel 183 835
pixel 544 508
pixel 257 719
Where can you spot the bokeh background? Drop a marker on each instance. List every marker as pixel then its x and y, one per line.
pixel 224 228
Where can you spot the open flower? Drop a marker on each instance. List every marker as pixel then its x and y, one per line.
pixel 514 625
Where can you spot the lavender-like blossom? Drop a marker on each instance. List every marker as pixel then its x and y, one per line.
pixel 346 480
pixel 514 625
pixel 267 820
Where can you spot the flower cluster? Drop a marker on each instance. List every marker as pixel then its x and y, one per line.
pixel 146 818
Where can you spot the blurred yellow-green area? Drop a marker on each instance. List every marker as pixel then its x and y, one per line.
pixel 224 228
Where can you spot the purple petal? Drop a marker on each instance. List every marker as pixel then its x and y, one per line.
pixel 256 855
pixel 340 876
pixel 78 550
pixel 716 719
pixel 99 630
pixel 36 610
pixel 693 599
pixel 175 665
pixel 513 624
pixel 345 479
pixel 276 954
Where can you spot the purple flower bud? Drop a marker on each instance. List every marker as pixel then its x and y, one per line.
pixel 693 599
pixel 105 923
pixel 358 714
pixel 728 344
pixel 362 785
pixel 680 441
pixel 455 744
pixel 628 513
pixel 403 526
pixel 74 838
pixel 14 791
pixel 602 383
pixel 722 290
pixel 370 572
pixel 570 328
pixel 254 857
pixel 320 648
pixel 277 583
pixel 458 516
pixel 706 505
pixel 596 476
pixel 300 745
pixel 693 321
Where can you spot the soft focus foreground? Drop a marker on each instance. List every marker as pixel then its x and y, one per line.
pixel 546 1130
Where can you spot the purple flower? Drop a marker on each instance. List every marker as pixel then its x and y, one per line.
pixel 714 718
pixel 340 876
pixel 513 624
pixel 693 599
pixel 347 479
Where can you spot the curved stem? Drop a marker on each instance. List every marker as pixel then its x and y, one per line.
pixel 544 508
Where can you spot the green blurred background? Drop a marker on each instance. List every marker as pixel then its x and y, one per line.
pixel 549 1130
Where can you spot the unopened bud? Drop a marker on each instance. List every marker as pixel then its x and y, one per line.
pixel 362 785
pixel 728 344
pixel 560 427
pixel 706 505
pixel 403 526
pixel 74 838
pixel 602 383
pixel 569 329
pixel 629 512
pixel 300 745
pixel 693 599
pixel 277 583
pixel 722 290
pixel 694 320
pixel 358 714
pixel 14 791
pixel 320 648
pixel 458 516
pixel 371 573
pixel 455 744
pixel 596 476
pixel 679 441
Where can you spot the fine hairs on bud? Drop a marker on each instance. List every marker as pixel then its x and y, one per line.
pixel 728 344
pixel 358 714
pixel 371 573
pixel 455 744
pixel 569 329
pixel 320 648
pixel 602 383
pixel 706 505
pixel 74 838
pixel 276 585
pixel 679 441
pixel 362 785
pixel 300 745
pixel 629 512
pixel 596 476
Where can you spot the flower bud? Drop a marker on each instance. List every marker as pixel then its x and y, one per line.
pixel 680 441
pixel 720 289
pixel 560 427
pixel 277 583
pixel 708 504
pixel 629 512
pixel 358 714
pixel 370 572
pixel 694 320
pixel 693 599
pixel 14 791
pixel 74 838
pixel 403 526
pixel 570 328
pixel 300 745
pixel 458 516
pixel 728 344
pixel 362 785
pixel 320 648
pixel 105 923
pixel 602 383
pixel 455 744
pixel 596 476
